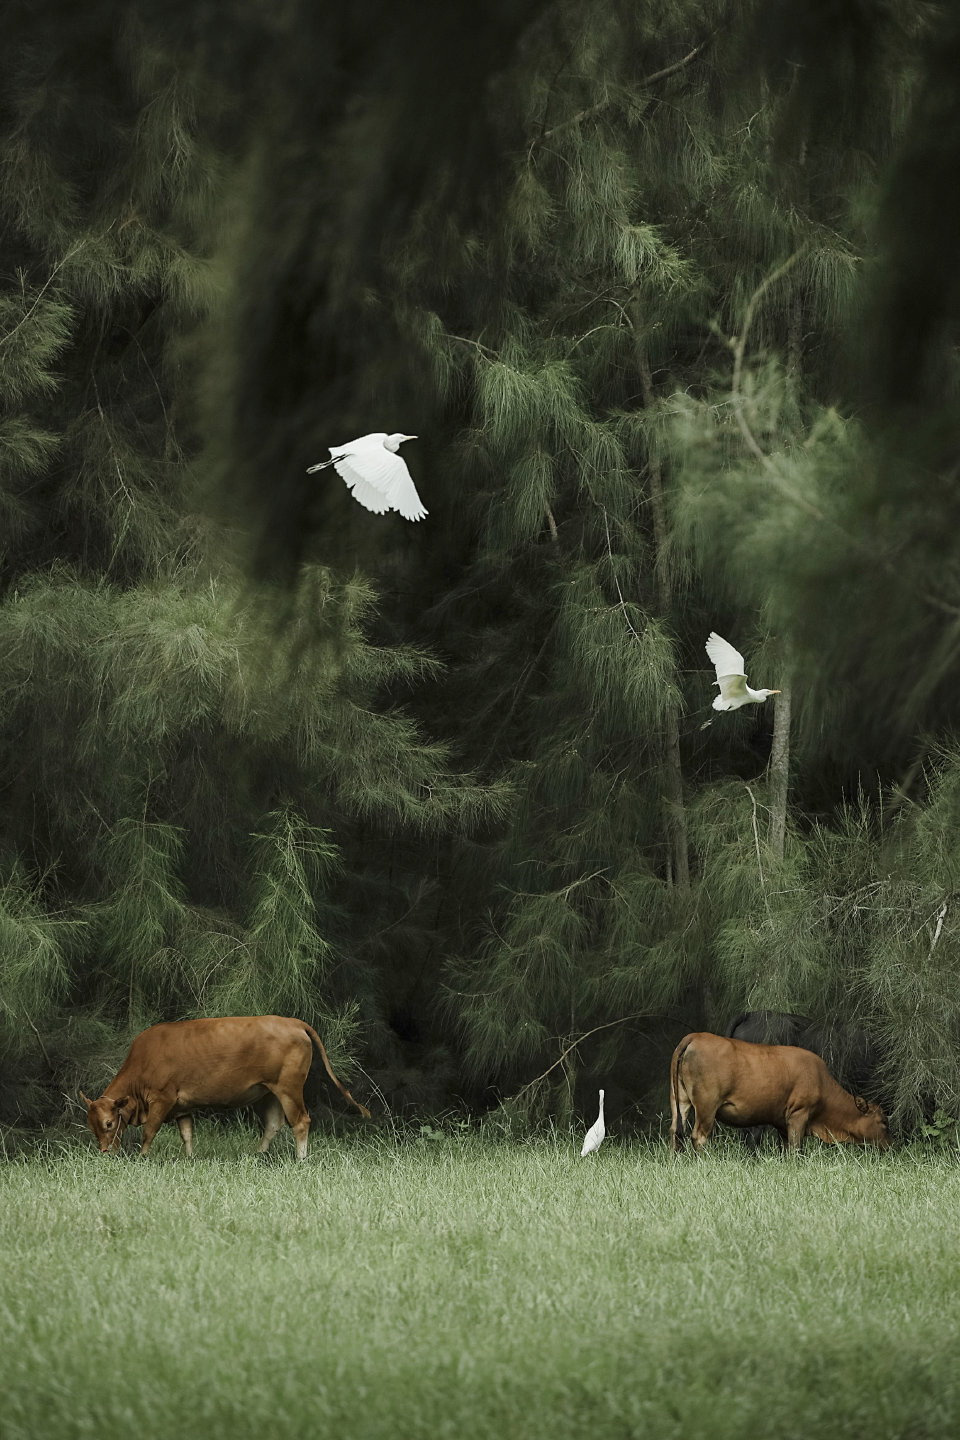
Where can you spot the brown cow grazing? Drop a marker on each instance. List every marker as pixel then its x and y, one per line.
pixel 174 1068
pixel 743 1084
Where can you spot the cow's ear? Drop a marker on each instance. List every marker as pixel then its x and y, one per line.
pixel 119 1104
pixel 86 1102
pixel 862 1105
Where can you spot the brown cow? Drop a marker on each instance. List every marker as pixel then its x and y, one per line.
pixel 743 1084
pixel 174 1068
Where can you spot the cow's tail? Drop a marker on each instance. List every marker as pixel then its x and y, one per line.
pixel 676 1121
pixel 326 1065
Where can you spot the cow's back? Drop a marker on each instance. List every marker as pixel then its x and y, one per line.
pixel 223 1060
pixel 749 1083
pixel 850 1053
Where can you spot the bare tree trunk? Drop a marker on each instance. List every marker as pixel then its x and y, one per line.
pixel 780 769
pixel 675 814
pixel 780 749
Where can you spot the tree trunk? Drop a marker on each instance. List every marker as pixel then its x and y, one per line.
pixel 780 768
pixel 780 749
pixel 675 814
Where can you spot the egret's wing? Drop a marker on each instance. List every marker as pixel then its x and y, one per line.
pixel 727 660
pixel 732 687
pixel 406 499
pixel 369 497
pixel 388 473
pixel 379 467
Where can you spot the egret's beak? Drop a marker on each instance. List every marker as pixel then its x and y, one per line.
pixel 774 692
pixel 411 437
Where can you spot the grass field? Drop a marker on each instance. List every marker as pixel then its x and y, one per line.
pixel 469 1288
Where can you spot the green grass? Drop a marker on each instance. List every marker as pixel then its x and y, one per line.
pixel 470 1288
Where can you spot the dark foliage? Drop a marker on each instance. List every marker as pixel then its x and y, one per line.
pixel 450 789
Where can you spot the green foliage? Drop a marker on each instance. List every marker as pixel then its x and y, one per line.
pixel 145 911
pixel 199 775
pixel 187 710
pixel 284 955
pixel 35 954
pixel 610 279
pixel 941 1128
pixel 642 351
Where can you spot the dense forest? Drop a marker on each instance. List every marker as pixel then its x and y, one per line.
pixel 669 295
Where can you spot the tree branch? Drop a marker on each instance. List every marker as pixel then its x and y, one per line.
pixel 641 1015
pixel 592 110
pixel 756 841
pixel 40 293
pixel 623 603
pixel 936 934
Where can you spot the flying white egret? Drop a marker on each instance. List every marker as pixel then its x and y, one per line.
pixel 594 1136
pixel 376 474
pixel 731 676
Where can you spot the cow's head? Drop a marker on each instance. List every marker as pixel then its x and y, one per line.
pixel 109 1118
pixel 872 1127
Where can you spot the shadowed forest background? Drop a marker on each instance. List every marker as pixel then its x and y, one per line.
pixel 669 292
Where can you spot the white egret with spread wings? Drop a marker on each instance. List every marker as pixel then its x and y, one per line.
pixel 732 676
pixel 375 474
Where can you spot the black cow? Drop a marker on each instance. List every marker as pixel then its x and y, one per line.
pixel 852 1055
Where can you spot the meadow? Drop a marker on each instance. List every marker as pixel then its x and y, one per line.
pixel 454 1285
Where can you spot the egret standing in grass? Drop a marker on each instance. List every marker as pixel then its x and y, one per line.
pixel 732 676
pixel 594 1136
pixel 376 474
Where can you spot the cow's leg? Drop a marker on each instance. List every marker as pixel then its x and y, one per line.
pixel 681 1115
pixel 298 1117
pixel 159 1110
pixel 797 1128
pixel 685 1111
pixel 702 1128
pixel 271 1117
pixel 185 1126
pixel 679 1109
pixel 301 1129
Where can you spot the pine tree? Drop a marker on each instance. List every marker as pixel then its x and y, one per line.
pixel 453 782
pixel 632 476
pixel 199 777
pixel 641 212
